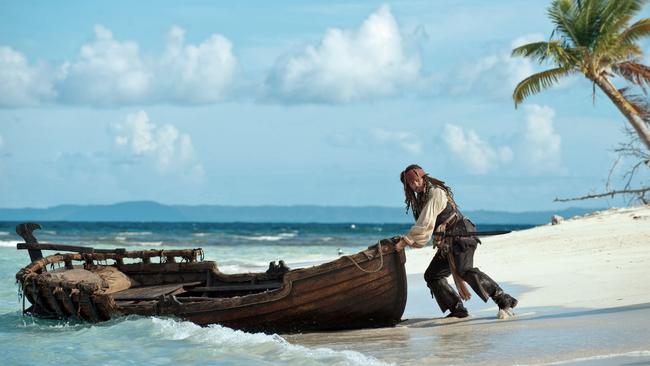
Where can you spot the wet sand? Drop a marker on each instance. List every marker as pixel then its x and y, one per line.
pixel 541 336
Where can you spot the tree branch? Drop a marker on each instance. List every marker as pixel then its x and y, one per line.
pixel 600 195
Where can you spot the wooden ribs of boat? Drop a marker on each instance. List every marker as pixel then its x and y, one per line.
pixel 367 289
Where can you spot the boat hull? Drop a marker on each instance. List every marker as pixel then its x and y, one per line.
pixel 364 290
pixel 339 295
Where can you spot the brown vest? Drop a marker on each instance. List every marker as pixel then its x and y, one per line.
pixel 458 224
pixel 446 213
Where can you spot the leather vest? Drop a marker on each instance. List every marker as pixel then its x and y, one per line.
pixel 457 225
pixel 445 214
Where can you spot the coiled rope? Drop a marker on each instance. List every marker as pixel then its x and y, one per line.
pixel 381 260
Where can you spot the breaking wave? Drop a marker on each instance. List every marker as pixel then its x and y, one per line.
pixel 160 341
pixel 134 233
pixel 254 347
pixel 8 243
pixel 268 237
pixel 147 243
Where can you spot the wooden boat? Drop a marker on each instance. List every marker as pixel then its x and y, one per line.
pixel 367 289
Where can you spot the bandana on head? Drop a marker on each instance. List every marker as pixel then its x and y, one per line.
pixel 413 174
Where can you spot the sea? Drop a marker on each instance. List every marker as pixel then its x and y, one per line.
pixel 134 340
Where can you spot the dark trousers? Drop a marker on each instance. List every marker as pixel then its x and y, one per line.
pixel 463 251
pixel 436 275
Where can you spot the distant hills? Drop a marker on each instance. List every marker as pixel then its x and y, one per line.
pixel 148 211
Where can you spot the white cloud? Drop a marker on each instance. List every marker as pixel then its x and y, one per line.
pixel 405 140
pixel 169 149
pixel 201 73
pixel 22 84
pixel 476 155
pixel 527 38
pixel 347 65
pixel 497 74
pixel 542 146
pixel 106 72
pixel 534 149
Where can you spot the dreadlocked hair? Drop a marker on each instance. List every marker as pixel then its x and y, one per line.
pixel 414 201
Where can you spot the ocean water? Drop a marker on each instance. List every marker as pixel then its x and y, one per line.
pixel 166 341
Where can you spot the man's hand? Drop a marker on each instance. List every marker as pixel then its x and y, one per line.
pixel 400 245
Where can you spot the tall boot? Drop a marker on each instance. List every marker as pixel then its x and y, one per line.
pixel 487 288
pixel 504 301
pixel 447 298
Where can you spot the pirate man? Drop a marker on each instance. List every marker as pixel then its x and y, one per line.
pixel 434 209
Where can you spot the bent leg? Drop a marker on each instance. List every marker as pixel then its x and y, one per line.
pixel 484 286
pixel 436 278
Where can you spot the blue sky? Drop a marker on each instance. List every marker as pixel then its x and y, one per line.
pixel 289 102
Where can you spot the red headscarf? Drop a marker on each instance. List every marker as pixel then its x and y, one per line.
pixel 412 174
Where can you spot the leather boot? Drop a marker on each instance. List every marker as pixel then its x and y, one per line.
pixel 504 301
pixel 447 298
pixel 458 311
pixel 482 284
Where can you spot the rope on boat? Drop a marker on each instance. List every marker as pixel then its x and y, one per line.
pixel 381 260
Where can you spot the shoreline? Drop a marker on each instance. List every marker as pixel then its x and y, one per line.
pixel 582 298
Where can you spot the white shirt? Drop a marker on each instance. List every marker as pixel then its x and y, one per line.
pixel 420 233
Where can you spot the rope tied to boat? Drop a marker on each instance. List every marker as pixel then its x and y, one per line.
pixel 381 260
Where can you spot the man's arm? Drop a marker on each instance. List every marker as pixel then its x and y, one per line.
pixel 420 233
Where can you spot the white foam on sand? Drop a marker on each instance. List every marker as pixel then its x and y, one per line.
pixel 267 347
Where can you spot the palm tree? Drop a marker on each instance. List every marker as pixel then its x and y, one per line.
pixel 594 38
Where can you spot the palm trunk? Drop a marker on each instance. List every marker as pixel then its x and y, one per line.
pixel 626 108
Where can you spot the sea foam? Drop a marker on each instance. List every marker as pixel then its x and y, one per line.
pixel 8 243
pixel 257 345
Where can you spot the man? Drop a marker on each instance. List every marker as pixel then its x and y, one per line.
pixel 434 209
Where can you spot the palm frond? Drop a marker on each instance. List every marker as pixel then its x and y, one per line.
pixel 614 20
pixel 634 72
pixel 540 81
pixel 638 102
pixel 553 51
pixel 535 50
pixel 562 14
pixel 587 21
pixel 610 37
pixel 618 53
pixel 617 10
pixel 636 31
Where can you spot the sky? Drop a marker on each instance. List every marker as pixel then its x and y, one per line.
pixel 291 102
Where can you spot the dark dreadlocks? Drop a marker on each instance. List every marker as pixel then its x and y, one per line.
pixel 415 202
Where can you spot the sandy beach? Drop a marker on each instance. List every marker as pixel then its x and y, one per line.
pixel 583 297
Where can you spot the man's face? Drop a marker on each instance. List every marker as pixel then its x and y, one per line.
pixel 416 183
